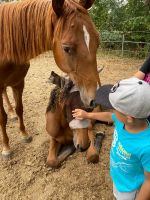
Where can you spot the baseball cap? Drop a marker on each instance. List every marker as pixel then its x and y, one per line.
pixel 129 96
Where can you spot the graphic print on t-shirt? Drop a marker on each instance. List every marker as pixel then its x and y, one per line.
pixel 119 155
pixel 147 78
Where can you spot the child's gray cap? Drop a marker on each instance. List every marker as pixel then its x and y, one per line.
pixel 129 96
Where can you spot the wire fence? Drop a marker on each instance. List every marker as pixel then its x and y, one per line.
pixel 133 43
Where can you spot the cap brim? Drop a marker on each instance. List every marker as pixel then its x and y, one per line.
pixel 102 96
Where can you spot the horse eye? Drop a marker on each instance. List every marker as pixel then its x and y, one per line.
pixel 68 49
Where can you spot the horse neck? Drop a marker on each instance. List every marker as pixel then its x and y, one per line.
pixel 26 29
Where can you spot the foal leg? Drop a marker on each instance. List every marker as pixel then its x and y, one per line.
pixel 95 145
pixel 10 108
pixel 54 148
pixel 92 152
pixel 6 152
pixel 57 154
pixel 17 92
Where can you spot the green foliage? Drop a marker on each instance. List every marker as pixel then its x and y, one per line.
pixel 121 15
pixel 111 36
pixel 128 17
pixel 111 39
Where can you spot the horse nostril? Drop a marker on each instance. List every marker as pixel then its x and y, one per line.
pixel 79 148
pixel 92 103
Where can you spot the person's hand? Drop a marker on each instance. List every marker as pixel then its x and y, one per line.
pixel 79 114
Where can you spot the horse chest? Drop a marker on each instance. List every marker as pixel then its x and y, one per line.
pixel 12 74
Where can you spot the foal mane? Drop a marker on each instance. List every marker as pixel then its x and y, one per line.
pixel 59 95
pixel 26 28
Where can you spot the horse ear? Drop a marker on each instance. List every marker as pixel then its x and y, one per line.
pixel 58 6
pixel 52 72
pixel 86 3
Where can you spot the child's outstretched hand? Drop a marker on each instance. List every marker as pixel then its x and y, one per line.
pixel 79 114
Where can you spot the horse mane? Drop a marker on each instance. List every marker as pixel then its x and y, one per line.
pixel 54 99
pixel 57 80
pixel 26 28
pixel 60 93
pixel 23 29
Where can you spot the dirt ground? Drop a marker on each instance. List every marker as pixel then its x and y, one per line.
pixel 25 176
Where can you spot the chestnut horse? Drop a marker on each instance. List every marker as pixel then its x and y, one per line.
pixel 63 129
pixel 31 27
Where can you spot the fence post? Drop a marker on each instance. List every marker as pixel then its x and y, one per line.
pixel 123 38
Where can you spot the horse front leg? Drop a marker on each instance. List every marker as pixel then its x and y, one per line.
pixel 95 145
pixel 54 147
pixel 6 152
pixel 17 93
pixel 11 111
pixel 92 152
pixel 58 153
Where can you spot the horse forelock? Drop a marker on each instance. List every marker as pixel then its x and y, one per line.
pixel 74 14
pixel 71 6
pixel 71 9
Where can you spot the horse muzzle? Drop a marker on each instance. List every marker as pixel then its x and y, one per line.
pixel 80 139
pixel 93 104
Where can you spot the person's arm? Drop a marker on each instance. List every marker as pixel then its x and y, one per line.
pixel 144 193
pixel 145 69
pixel 139 75
pixel 102 116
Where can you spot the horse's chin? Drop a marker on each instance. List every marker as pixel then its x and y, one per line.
pixel 87 95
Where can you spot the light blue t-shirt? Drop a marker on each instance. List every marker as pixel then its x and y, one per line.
pixel 129 157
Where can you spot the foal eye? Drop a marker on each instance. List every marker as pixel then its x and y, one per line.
pixel 68 49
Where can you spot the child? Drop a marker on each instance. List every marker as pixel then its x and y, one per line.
pixel 130 150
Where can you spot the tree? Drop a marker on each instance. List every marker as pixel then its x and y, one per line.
pixel 121 15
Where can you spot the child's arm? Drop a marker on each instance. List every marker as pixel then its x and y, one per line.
pixel 144 193
pixel 102 116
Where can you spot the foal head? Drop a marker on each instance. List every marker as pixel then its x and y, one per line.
pixel 75 42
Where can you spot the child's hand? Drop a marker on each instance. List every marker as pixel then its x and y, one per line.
pixel 79 114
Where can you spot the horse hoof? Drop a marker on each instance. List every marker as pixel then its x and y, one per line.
pixel 98 141
pixel 27 139
pixel 53 164
pixel 7 155
pixel 93 158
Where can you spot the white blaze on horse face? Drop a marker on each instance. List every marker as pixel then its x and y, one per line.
pixel 86 37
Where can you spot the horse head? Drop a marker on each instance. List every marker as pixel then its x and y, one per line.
pixel 75 42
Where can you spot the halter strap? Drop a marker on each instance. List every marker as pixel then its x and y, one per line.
pixel 76 72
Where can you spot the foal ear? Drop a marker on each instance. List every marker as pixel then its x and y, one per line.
pixel 86 3
pixel 58 6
